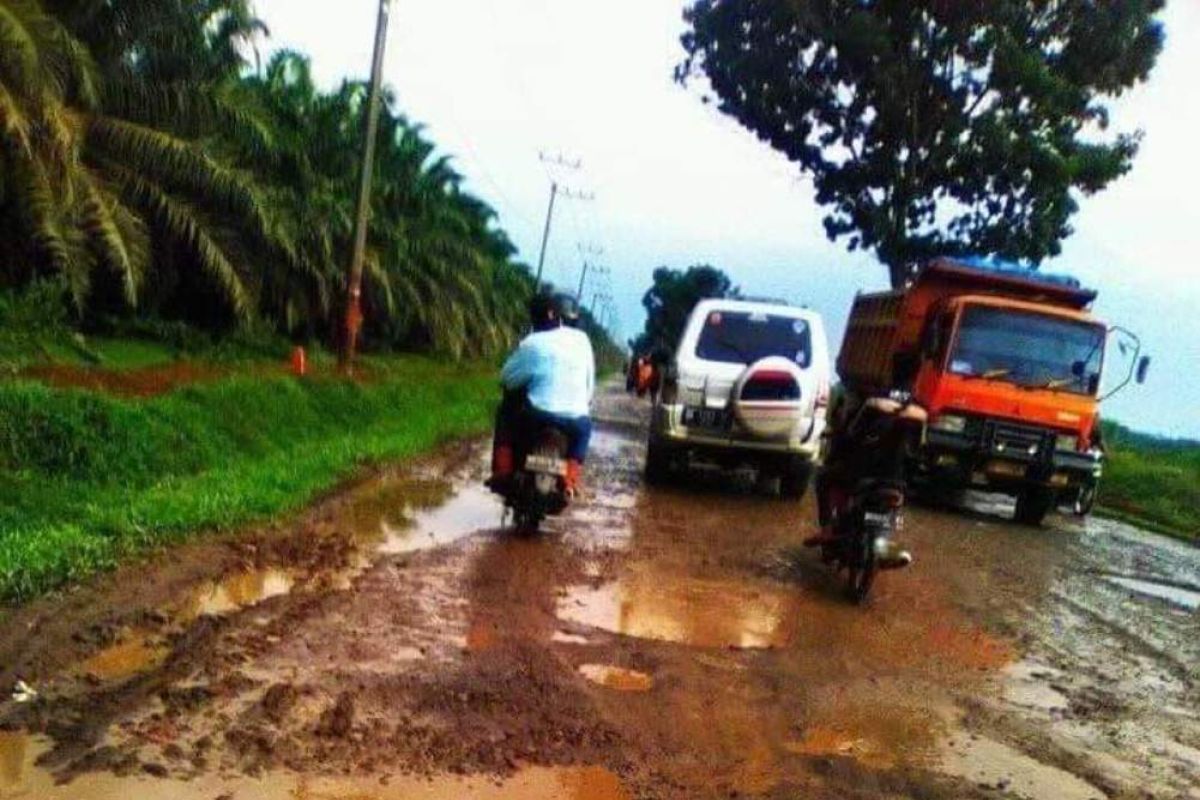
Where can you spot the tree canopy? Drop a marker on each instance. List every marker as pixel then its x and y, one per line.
pixel 670 300
pixel 933 127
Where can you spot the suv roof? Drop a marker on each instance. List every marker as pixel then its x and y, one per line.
pixel 768 306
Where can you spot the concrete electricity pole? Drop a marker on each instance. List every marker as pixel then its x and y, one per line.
pixel 354 317
pixel 555 191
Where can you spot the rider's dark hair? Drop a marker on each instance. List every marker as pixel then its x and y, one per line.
pixel 543 312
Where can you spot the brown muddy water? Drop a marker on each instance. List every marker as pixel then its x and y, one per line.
pixel 395 642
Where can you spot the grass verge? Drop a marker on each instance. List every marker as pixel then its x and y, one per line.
pixel 1154 483
pixel 87 480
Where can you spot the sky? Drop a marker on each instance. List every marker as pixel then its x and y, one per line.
pixel 500 85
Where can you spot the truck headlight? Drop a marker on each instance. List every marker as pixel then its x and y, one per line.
pixel 1066 443
pixel 950 423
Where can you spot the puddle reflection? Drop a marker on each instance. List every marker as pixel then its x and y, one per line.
pixel 684 610
pixel 617 678
pixel 134 652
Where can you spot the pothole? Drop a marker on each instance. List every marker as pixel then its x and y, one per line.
pixel 701 613
pixel 617 678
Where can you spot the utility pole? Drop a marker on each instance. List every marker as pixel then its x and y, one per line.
pixel 537 284
pixel 363 212
pixel 555 191
pixel 593 251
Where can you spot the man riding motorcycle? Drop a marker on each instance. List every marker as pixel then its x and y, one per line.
pixel 869 440
pixel 549 379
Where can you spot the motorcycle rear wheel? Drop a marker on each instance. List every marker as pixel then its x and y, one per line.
pixel 861 566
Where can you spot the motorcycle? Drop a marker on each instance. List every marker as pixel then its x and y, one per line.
pixel 867 510
pixel 538 487
pixel 865 525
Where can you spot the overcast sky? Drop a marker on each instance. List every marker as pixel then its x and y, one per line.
pixel 676 183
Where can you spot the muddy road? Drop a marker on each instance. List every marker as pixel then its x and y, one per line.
pixel 392 642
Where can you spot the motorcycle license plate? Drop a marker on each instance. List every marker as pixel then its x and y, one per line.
pixel 546 465
pixel 877 519
pixel 710 418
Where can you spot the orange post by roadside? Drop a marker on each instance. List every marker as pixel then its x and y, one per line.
pixel 299 362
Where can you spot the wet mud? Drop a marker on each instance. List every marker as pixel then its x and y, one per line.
pixel 396 642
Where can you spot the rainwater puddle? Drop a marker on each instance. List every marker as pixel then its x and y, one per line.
pixel 1175 595
pixel 702 613
pixel 22 779
pixel 473 508
pixel 235 592
pixel 617 678
pixel 562 637
pixel 988 762
pixel 820 742
pixel 135 652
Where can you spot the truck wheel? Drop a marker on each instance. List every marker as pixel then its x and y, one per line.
pixel 658 464
pixel 1033 505
pixel 794 480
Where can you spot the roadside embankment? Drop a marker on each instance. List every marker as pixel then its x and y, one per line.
pixel 1152 483
pixel 88 479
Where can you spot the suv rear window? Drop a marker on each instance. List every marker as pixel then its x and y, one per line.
pixel 743 337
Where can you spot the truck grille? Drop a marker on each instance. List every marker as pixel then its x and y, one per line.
pixel 1023 440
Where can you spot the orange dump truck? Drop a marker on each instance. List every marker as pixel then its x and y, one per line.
pixel 1008 364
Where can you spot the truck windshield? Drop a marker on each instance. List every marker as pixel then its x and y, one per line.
pixel 1029 349
pixel 743 337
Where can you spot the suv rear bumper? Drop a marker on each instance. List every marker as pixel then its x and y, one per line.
pixel 668 429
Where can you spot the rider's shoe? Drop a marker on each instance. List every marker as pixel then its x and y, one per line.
pixel 573 478
pixel 892 556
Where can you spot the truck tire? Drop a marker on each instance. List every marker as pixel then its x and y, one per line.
pixel 658 464
pixel 1033 505
pixel 794 479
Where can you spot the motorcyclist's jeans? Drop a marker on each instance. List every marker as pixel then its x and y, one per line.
pixel 516 417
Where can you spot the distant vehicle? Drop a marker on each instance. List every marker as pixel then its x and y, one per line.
pixel 1008 363
pixel 748 386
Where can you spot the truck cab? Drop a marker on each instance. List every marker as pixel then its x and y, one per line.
pixel 1008 364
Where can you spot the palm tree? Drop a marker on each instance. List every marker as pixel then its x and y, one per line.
pixel 96 181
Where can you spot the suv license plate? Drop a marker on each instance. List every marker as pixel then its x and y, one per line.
pixel 711 418
pixel 547 465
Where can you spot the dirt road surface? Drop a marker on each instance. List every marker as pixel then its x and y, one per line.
pixel 393 642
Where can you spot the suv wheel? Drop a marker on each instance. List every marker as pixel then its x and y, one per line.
pixel 658 464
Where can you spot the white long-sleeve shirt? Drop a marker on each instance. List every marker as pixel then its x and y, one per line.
pixel 557 368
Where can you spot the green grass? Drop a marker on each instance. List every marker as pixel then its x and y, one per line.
pixel 88 480
pixel 1152 482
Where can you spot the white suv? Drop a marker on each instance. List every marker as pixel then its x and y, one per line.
pixel 749 385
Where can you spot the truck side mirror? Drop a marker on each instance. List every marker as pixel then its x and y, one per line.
pixel 1143 368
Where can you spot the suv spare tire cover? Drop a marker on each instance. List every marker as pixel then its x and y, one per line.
pixel 767 399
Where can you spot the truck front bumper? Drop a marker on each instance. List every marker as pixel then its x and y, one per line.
pixel 962 460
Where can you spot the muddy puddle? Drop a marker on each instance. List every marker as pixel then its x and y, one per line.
pixel 683 610
pixel 22 779
pixel 468 509
pixel 1186 599
pixel 134 652
pixel 235 592
pixel 618 679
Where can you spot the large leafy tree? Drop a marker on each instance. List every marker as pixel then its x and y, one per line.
pixel 933 126
pixel 670 300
